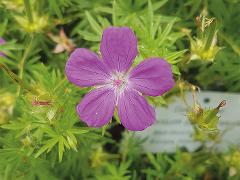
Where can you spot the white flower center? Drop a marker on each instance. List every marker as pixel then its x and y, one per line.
pixel 119 82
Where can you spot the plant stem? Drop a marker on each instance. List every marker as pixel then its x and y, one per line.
pixel 28 10
pixel 21 64
pixel 16 79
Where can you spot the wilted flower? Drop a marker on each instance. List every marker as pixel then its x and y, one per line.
pixel 63 42
pixel 2 41
pixel 116 85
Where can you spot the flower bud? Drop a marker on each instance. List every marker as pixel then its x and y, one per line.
pixel 205 119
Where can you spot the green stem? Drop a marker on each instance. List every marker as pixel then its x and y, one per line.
pixel 28 10
pixel 16 79
pixel 21 64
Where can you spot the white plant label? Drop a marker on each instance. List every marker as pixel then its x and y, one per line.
pixel 173 129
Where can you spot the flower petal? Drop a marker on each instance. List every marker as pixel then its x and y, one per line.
pixel 97 107
pixel 118 48
pixel 84 69
pixel 152 77
pixel 134 111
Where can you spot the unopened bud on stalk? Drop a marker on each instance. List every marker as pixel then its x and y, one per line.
pixel 205 119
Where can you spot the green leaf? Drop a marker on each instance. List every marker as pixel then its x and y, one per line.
pixel 157 5
pixel 3 27
pixel 165 33
pixel 175 70
pixel 89 36
pixel 79 130
pixel 150 17
pixel 173 56
pixel 54 6
pixel 61 148
pixel 95 26
pixel 47 147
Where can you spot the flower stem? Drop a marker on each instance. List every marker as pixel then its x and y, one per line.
pixel 21 64
pixel 16 79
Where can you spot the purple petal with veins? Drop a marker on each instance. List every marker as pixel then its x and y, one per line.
pixel 118 48
pixel 97 107
pixel 85 69
pixel 152 77
pixel 134 111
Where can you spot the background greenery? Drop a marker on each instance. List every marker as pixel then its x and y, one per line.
pixel 48 141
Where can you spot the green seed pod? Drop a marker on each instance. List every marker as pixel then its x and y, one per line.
pixel 205 119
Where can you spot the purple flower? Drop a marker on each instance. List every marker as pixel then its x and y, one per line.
pixel 116 85
pixel 2 41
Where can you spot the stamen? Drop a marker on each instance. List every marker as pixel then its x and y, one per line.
pixel 117 82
